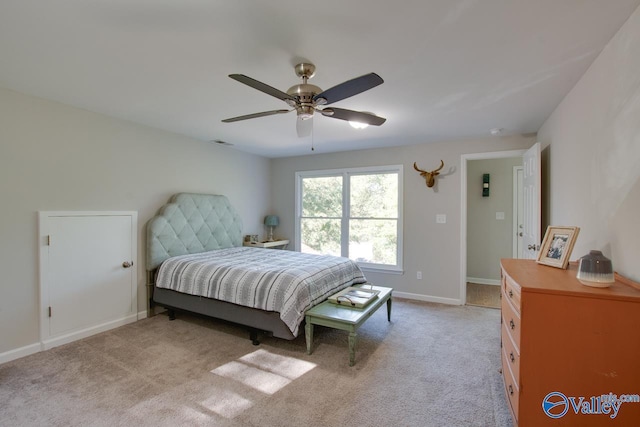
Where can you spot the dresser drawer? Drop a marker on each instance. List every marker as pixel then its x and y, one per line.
pixel 511 291
pixel 512 354
pixel 511 321
pixel 511 389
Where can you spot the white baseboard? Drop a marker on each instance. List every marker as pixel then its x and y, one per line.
pixel 481 281
pixel 87 332
pixel 17 353
pixel 428 298
pixel 48 343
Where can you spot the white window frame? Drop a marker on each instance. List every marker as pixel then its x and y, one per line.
pixel 344 241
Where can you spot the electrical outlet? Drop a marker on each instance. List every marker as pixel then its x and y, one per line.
pixel 441 219
pixel 419 275
pixel 499 215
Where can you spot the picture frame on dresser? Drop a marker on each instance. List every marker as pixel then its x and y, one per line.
pixel 557 246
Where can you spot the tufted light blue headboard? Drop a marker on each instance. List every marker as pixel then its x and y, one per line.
pixel 192 223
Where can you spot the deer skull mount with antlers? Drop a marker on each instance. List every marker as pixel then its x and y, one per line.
pixel 430 177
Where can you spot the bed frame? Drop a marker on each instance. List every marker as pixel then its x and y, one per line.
pixel 193 223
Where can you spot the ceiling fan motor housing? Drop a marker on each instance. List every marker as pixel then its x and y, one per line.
pixel 305 93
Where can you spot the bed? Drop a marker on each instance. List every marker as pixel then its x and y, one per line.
pixel 196 262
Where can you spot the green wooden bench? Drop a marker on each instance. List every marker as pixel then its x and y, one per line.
pixel 345 318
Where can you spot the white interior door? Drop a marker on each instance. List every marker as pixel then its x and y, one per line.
pixel 88 277
pixel 532 202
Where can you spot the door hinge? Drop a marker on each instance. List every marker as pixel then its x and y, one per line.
pixel 49 311
pixel 49 240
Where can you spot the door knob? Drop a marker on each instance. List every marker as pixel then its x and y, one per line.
pixel 127 264
pixel 533 247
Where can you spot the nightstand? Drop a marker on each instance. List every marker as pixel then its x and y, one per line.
pixel 276 244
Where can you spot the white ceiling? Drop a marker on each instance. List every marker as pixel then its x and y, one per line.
pixel 452 69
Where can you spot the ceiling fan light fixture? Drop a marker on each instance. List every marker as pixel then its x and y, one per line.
pixel 305 111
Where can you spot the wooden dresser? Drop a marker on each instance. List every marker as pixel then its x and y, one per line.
pixel 565 345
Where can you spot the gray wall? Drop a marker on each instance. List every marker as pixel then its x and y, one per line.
pixel 593 138
pixel 431 248
pixel 489 239
pixel 55 157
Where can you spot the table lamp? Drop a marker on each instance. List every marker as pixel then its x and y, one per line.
pixel 271 221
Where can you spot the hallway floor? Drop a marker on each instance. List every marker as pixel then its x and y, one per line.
pixel 483 295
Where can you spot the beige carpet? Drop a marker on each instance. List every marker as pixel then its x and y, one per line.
pixel 433 365
pixel 483 295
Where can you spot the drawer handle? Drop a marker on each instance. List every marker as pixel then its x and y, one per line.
pixel 510 293
pixel 510 389
pixel 512 357
pixel 512 324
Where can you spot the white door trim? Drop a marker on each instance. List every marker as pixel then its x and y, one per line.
pixel 517 191
pixel 464 159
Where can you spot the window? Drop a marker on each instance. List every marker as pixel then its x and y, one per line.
pixel 354 213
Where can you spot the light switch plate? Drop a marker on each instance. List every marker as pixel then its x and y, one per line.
pixel 499 215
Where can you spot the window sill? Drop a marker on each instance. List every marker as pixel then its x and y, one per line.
pixel 389 270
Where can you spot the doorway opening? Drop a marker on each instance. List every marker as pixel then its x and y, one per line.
pixel 486 223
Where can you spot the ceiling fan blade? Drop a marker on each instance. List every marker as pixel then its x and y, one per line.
pixel 262 87
pixel 348 88
pixel 304 127
pixel 353 116
pixel 255 115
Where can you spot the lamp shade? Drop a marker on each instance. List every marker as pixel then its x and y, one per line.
pixel 271 220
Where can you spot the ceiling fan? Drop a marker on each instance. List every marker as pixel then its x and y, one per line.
pixel 306 99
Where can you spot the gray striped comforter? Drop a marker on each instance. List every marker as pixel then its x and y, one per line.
pixel 282 281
